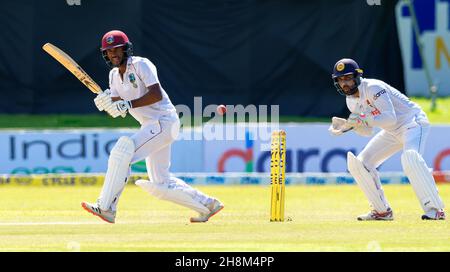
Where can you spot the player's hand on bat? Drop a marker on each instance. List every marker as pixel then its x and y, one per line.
pixel 103 100
pixel 119 108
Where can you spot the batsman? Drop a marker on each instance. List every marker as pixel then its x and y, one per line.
pixel 404 127
pixel 134 89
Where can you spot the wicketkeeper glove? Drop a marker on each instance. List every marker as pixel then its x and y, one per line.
pixel 362 123
pixel 360 120
pixel 339 126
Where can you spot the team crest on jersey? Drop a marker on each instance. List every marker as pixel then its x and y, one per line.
pixel 373 110
pixel 340 67
pixel 110 39
pixel 133 80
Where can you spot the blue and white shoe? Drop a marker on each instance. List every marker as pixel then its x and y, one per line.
pixel 434 214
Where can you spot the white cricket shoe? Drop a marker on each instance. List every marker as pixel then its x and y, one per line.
pixel 434 214
pixel 108 216
pixel 374 215
pixel 215 207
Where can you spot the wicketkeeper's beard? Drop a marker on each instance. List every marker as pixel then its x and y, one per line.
pixel 350 90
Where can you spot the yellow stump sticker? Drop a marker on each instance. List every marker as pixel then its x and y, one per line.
pixel 277 175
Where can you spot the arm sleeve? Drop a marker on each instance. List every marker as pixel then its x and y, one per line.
pixel 384 113
pixel 147 73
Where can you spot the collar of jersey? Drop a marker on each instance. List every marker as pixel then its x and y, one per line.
pixel 129 61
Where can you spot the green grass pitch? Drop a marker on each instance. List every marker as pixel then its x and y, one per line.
pixel 323 219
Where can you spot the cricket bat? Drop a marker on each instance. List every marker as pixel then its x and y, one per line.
pixel 72 66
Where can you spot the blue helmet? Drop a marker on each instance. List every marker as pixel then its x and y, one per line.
pixel 347 67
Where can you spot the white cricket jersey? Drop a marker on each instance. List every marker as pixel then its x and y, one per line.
pixel 140 74
pixel 391 110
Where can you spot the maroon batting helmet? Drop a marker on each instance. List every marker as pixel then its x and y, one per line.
pixel 113 39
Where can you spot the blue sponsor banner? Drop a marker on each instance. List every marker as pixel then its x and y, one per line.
pixel 224 179
pixel 310 148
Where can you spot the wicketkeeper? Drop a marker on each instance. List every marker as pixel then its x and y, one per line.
pixel 404 126
pixel 134 88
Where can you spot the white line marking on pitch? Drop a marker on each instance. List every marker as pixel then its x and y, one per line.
pixel 47 223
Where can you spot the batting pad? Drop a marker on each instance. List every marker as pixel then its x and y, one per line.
pixel 421 180
pixel 179 193
pixel 117 173
pixel 368 182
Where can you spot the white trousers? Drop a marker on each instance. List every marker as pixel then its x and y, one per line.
pixel 153 143
pixel 384 144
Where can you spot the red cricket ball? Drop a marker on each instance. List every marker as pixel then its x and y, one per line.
pixel 221 109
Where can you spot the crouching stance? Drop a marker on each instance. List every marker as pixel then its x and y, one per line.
pixel 404 127
pixel 135 89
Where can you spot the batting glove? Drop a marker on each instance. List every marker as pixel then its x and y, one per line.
pixel 103 100
pixel 119 108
